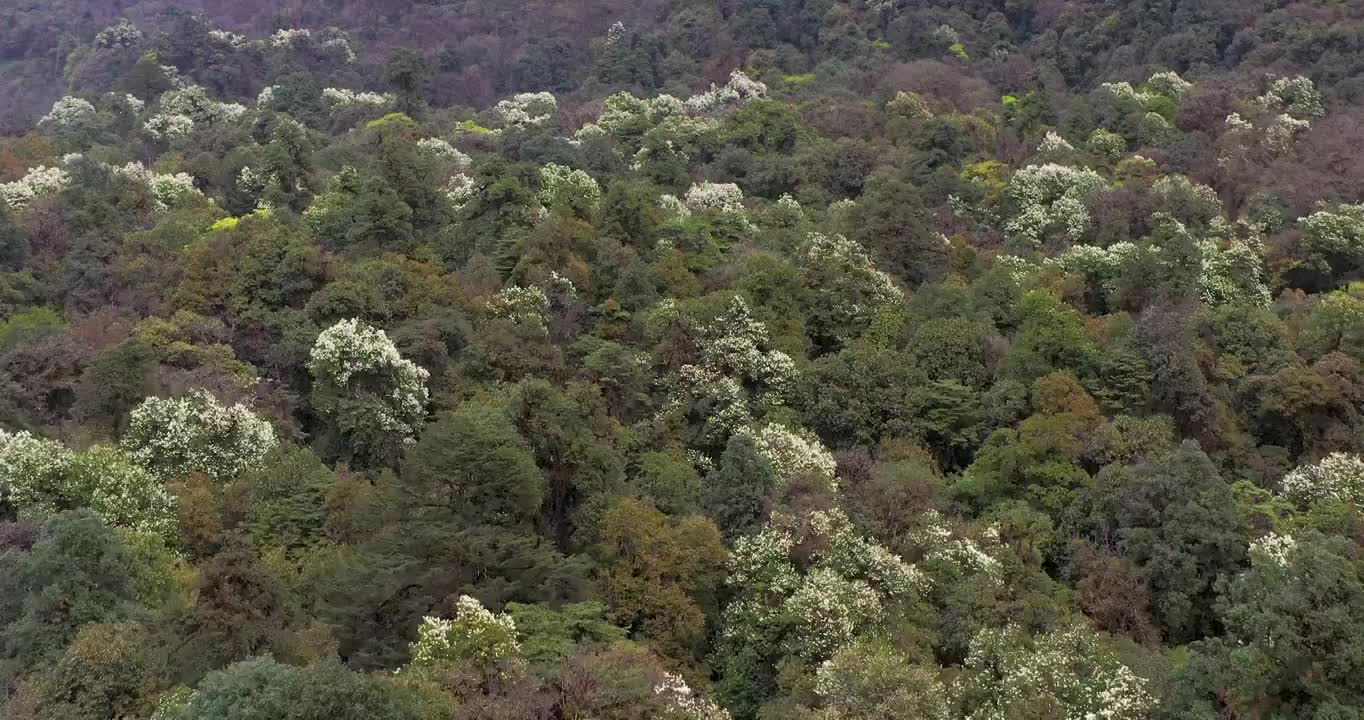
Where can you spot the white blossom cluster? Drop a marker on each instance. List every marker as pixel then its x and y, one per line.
pixel 560 185
pixel 459 190
pixel 1162 84
pixel 673 206
pixel 739 90
pixel 1231 271
pixel 845 282
pixel 842 590
pixel 1337 230
pixel 793 453
pixel 940 547
pixel 132 102
pixel 1067 668
pixel 526 109
pixel 1106 144
pixel 1273 548
pixel 167 189
pixel 169 127
pixel 840 683
pixel 1179 189
pixel 123 34
pixel 1054 144
pixel 1282 113
pixel 1282 130
pixel 1169 84
pixel 343 98
pixel 1338 477
pixel 67 112
pixel 522 305
pixel 623 110
pixel 475 634
pixel 42 477
pixel 1096 263
pixel 682 703
pixel 910 105
pixel 442 149
pixel 228 38
pixel 39 182
pixel 734 357
pixel 195 103
pixel 720 197
pixel 196 434
pixel 1052 196
pixel 291 37
pixel 184 107
pixel 350 350
pixel 1295 96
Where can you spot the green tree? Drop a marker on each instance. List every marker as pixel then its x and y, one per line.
pixel 662 575
pixel 76 573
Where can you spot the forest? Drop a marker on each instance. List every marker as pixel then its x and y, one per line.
pixel 682 360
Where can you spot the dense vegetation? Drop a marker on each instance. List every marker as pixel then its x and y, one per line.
pixel 762 359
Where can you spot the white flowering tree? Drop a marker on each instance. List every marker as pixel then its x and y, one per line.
pixel 739 90
pixel 1338 477
pixel 1066 674
pixel 1332 239
pixel 715 197
pixel 372 398
pixel 122 34
pixel 167 189
pixel 339 98
pixel 42 477
pixel 844 288
pixel 738 373
pixel 869 680
pixel 69 114
pixel 793 454
pixel 175 437
pixel 526 109
pixel 568 190
pixel 521 305
pixel 680 702
pixel 811 602
pixel 1294 96
pixel 40 181
pixel 475 636
pixel 180 110
pixel 1051 199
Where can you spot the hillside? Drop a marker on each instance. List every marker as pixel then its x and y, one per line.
pixel 749 360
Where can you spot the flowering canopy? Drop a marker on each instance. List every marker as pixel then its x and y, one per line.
pixel 793 454
pixel 43 477
pixel 814 608
pixel 38 182
pixel 1049 197
pixel 1066 674
pixel 474 635
pixel 1338 477
pixel 179 436
pixel 366 386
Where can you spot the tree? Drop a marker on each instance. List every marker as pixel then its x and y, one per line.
pixel 735 495
pixel 409 73
pixel 870 680
pixel 472 464
pixel 105 672
pixel 372 398
pixel 1175 519
pixel 262 689
pixel 1289 649
pixel 76 573
pixel 176 437
pixel 662 576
